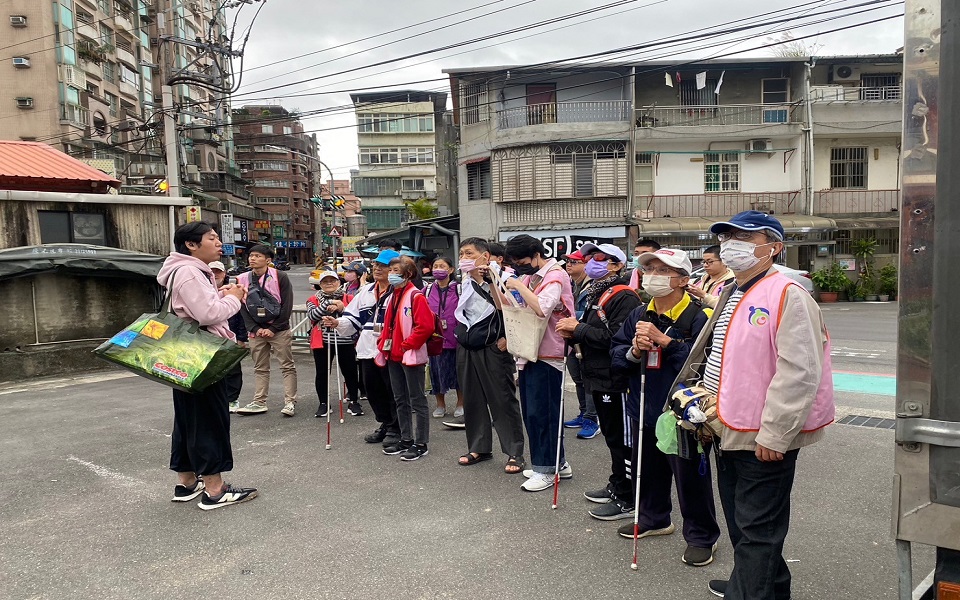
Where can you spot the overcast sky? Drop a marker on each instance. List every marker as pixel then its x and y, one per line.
pixel 288 28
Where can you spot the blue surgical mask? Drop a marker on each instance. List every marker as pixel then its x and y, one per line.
pixel 395 280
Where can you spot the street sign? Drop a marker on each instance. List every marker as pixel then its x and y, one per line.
pixel 334 232
pixel 280 244
pixel 161 187
pixel 226 227
pixel 244 231
pixel 228 249
pixel 193 214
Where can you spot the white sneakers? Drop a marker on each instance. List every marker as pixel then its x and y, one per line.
pixel 288 409
pixel 537 482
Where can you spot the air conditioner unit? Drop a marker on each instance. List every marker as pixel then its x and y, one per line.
pixel 21 62
pixel 24 102
pixel 18 21
pixel 760 146
pixel 846 73
pixel 192 174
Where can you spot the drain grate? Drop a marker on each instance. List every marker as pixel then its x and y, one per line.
pixel 862 421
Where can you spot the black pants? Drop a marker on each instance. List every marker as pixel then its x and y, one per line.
pixel 201 431
pixel 658 472
pixel 756 503
pixel 346 357
pixel 234 381
pixel 380 395
pixel 489 394
pixel 610 414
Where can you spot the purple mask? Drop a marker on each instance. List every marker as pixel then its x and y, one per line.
pixel 596 269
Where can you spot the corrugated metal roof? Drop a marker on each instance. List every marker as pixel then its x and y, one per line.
pixel 33 160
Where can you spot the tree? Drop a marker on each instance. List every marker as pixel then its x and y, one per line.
pixel 790 48
pixel 423 208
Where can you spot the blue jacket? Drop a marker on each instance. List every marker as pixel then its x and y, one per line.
pixel 658 381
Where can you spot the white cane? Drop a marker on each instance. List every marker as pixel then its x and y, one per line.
pixel 336 337
pixel 327 346
pixel 636 474
pixel 556 470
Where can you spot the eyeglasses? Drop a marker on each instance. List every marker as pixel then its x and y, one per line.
pixel 574 262
pixel 712 261
pixel 739 234
pixel 659 271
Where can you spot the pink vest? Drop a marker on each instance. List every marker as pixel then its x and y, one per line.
pixel 271 285
pixel 749 360
pixel 552 345
pixel 411 358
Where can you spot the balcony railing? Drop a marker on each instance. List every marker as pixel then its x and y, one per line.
pixel 717 205
pixel 845 202
pixel 726 114
pixel 837 93
pixel 567 210
pixel 224 182
pixel 602 111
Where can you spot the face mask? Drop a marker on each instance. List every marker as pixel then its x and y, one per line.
pixel 739 255
pixel 657 286
pixel 440 274
pixel 596 269
pixel 467 265
pixel 635 262
pixel 525 269
pixel 350 276
pixel 395 280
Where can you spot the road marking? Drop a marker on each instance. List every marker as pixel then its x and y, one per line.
pixel 117 477
pixel 877 385
pixel 856 352
pixel 53 384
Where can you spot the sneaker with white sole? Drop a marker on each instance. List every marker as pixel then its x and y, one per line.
pixel 355 409
pixel 398 447
pixel 566 472
pixel 699 557
pixel 183 493
pixel 575 423
pixel 458 412
pixel 414 452
pixel 289 409
pixel 228 495
pixel 600 496
pixel 614 510
pixel 626 531
pixel 234 406
pixel 537 483
pixel 254 408
pixel 588 430
pixel 439 412
pixel 322 409
pixel 718 587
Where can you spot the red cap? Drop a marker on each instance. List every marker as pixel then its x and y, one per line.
pixel 574 256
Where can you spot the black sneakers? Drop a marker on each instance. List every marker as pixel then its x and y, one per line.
pixel 391 439
pixel 717 587
pixel 183 493
pixel 355 409
pixel 321 410
pixel 600 496
pixel 376 437
pixel 397 447
pixel 614 510
pixel 414 452
pixel 229 495
pixel 698 557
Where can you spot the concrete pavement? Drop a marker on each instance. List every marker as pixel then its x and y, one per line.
pixel 85 511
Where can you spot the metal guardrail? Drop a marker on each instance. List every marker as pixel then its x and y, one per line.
pixel 599 111
pixel 716 204
pixel 838 93
pixel 725 114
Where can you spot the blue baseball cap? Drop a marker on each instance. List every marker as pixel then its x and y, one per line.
pixel 750 220
pixel 386 256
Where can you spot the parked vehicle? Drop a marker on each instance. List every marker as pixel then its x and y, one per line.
pixel 281 264
pixel 800 276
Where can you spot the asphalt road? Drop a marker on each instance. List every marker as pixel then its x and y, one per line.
pixel 85 511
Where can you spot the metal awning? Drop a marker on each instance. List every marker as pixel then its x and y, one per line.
pixel 562 226
pixel 891 222
pixel 805 223
pixel 701 225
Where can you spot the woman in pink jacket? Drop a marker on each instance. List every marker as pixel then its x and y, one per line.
pixel 200 450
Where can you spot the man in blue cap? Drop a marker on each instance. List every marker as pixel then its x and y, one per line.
pixel 768 365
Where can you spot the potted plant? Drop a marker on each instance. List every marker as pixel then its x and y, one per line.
pixel 870 286
pixel 888 282
pixel 830 281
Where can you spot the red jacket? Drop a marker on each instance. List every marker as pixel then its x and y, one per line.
pixel 422 323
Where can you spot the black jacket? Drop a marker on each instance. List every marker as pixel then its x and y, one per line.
pixel 593 336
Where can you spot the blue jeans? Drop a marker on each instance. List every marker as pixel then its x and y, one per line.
pixel 756 503
pixel 540 396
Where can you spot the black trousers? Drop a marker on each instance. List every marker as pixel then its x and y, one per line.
pixel 380 395
pixel 234 381
pixel 756 503
pixel 610 415
pixel 486 377
pixel 201 431
pixel 346 357
pixel 658 472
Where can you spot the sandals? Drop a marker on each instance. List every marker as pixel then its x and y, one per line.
pixel 514 465
pixel 472 458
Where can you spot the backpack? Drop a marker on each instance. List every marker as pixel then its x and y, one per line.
pixel 606 296
pixel 263 308
pixel 435 341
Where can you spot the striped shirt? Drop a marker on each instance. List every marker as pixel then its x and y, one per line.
pixel 711 373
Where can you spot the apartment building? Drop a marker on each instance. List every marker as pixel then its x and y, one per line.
pixel 397 140
pixel 654 150
pixel 280 161
pixel 71 76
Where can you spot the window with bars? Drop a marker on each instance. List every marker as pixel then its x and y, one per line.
pixel 110 71
pixel 379 156
pixel 413 185
pixel 394 123
pixel 376 186
pixel 474 103
pixel 721 172
pixel 271 183
pixel 691 96
pixel 848 168
pixel 775 91
pixel 880 86
pixel 643 174
pixel 271 166
pixel 479 181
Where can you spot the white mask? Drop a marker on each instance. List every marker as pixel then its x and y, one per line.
pixel 739 256
pixel 657 286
